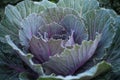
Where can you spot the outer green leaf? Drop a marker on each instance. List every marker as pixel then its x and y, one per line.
pixel 82 6
pixel 113 53
pixel 46 4
pixel 96 21
pixel 28 7
pixel 27 58
pixel 87 75
pixel 10 67
pixel 57 14
pixel 15 14
pixel 100 21
pixel 71 59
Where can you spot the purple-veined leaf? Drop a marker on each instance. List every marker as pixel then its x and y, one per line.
pixel 15 14
pixel 42 50
pixel 51 30
pixel 72 23
pixel 29 27
pixel 27 58
pixel 70 60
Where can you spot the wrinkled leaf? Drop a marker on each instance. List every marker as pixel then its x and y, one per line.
pixel 71 59
pixel 100 21
pixel 29 27
pixel 113 53
pixel 42 50
pixel 72 23
pixel 51 30
pixel 82 6
pixel 15 14
pixel 46 4
pixel 10 67
pixel 87 75
pixel 27 58
pixel 57 14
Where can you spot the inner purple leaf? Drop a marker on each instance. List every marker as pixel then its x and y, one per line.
pixel 42 50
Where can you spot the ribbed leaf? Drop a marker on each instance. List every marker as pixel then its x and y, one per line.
pixel 28 7
pixel 87 75
pixel 82 6
pixel 51 30
pixel 15 14
pixel 100 21
pixel 57 14
pixel 46 4
pixel 71 59
pixel 72 23
pixel 113 53
pixel 29 27
pixel 42 50
pixel 27 58
pixel 10 67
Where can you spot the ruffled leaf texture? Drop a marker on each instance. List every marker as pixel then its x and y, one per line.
pixel 14 15
pixel 47 49
pixel 65 55
pixel 87 75
pixel 43 50
pixel 10 63
pixel 71 59
pixel 82 6
pixel 33 21
pixel 101 21
pixel 113 53
pixel 18 18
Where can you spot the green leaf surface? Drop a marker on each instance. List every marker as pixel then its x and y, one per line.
pixel 10 67
pixel 15 14
pixel 82 6
pixel 46 4
pixel 27 58
pixel 100 21
pixel 113 53
pixel 96 20
pixel 113 56
pixel 57 14
pixel 87 75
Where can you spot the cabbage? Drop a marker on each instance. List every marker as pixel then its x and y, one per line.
pixel 69 40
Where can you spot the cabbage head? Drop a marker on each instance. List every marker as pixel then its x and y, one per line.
pixel 68 40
